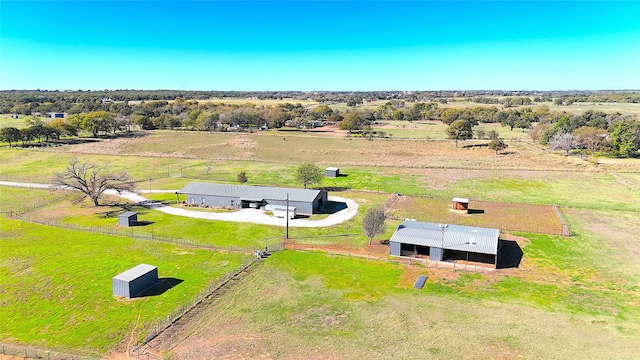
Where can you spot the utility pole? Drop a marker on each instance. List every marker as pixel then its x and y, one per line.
pixel 286 237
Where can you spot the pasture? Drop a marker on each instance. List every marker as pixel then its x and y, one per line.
pixel 512 217
pixel 581 292
pixel 56 285
pixel 315 306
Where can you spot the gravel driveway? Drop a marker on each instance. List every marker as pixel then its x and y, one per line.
pixel 244 215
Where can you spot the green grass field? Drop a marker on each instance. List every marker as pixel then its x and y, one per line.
pixel 65 209
pixel 7 120
pixel 315 306
pixel 56 285
pixel 435 130
pixel 576 295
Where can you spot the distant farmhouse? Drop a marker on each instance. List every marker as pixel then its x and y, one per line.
pixel 442 242
pixel 56 115
pixel 305 201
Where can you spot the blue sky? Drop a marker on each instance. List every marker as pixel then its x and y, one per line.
pixel 320 45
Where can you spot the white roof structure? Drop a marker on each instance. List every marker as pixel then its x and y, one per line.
pixel 332 168
pixel 460 200
pixel 135 272
pixel 449 237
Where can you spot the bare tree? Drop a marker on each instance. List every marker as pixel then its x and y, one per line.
pixel 374 222
pixel 92 179
pixel 563 141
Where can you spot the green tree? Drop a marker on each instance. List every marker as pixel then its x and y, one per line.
pixel 460 130
pixel 242 177
pixel 10 135
pixel 308 173
pixel 511 121
pixel 98 121
pixel 625 138
pixel 352 121
pixel 374 222
pixel 497 145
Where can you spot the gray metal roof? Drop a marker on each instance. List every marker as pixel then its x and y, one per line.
pixel 135 272
pixel 451 237
pixel 128 214
pixel 250 192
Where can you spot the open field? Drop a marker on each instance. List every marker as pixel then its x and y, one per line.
pixel 524 173
pixel 575 108
pixel 20 199
pixel 56 285
pixel 435 130
pixel 67 210
pixel 259 102
pixel 514 217
pixel 568 296
pixel 7 121
pixel 314 306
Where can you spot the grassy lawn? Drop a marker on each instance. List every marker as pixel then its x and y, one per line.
pixel 601 191
pixel 435 130
pixel 6 120
pixel 337 307
pixel 56 285
pixel 21 199
pixel 70 211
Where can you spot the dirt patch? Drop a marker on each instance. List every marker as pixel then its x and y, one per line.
pixel 505 216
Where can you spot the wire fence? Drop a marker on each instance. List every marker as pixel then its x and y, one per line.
pixel 565 228
pixel 31 352
pixel 140 349
pixel 455 265
pixel 130 232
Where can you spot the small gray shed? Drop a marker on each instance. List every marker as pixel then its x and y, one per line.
pixel 332 172
pixel 135 280
pixel 128 218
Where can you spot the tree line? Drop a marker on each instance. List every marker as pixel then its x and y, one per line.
pixel 28 102
pixel 593 130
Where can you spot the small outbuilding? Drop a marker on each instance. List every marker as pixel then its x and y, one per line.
pixel 332 172
pixel 56 115
pixel 281 211
pixel 15 116
pixel 135 280
pixel 444 242
pixel 460 204
pixel 128 218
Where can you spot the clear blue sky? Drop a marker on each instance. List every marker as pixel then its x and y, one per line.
pixel 320 45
